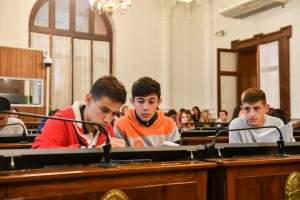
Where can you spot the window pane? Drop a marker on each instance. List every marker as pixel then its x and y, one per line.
pixel 228 93
pixel 269 72
pixel 101 56
pixel 81 68
pixel 62 14
pixel 228 61
pixel 100 28
pixel 61 94
pixel 42 16
pixel 82 16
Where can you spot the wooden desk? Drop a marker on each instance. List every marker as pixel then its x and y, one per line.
pixel 15 146
pixel 203 140
pixel 180 180
pixel 250 178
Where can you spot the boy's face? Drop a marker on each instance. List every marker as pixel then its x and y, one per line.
pixel 255 113
pixel 101 111
pixel 3 119
pixel 146 106
pixel 223 116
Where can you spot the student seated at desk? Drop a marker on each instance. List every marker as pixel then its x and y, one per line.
pixel 102 103
pixel 5 119
pixel 43 121
pixel 255 107
pixel 145 125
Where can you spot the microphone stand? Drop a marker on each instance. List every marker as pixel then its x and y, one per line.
pixel 107 163
pixel 210 149
pixel 23 141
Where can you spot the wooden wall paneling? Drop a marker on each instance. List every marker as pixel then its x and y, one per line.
pixel 24 63
pixel 248 72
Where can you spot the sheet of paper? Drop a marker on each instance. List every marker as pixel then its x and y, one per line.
pixel 273 135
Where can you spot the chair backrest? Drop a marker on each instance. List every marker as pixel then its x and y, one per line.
pixel 292 186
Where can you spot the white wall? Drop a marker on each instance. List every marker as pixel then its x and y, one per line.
pixel 136 42
pixel 136 47
pixel 14 20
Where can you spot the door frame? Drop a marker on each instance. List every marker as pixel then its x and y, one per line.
pixel 282 36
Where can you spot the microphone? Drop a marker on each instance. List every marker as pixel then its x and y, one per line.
pixel 210 148
pixel 24 132
pixel 106 148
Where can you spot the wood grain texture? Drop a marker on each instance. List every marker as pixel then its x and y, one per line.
pixel 167 180
pixel 24 63
pixel 250 178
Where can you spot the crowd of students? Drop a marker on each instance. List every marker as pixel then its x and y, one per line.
pixel 186 119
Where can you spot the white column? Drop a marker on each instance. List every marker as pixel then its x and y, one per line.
pixel 165 52
pixel 207 64
pixel 47 90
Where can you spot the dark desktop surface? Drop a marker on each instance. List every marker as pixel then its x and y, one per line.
pixel 16 138
pixel 202 132
pixel 50 158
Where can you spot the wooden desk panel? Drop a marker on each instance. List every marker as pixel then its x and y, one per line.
pixel 207 139
pixel 250 178
pixel 203 140
pixel 166 180
pixel 15 146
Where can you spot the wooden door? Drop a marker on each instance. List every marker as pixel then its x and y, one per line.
pixel 227 77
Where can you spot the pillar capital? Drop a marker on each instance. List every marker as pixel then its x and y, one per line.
pixel 166 7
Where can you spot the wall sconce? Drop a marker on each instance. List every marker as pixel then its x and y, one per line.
pixel 220 33
pixel 48 61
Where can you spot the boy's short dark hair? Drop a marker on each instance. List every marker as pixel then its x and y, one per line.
pixel 145 86
pixel 224 111
pixel 4 104
pixel 279 113
pixel 253 95
pixel 109 86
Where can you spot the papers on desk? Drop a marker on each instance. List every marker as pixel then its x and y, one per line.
pixel 273 134
pixel 168 143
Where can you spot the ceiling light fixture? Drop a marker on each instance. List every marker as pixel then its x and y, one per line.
pixel 109 6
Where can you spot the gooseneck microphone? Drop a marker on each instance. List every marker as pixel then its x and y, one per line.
pixel 24 132
pixel 106 148
pixel 210 148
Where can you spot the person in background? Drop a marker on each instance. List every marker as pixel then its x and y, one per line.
pixel 237 112
pixel 205 116
pixel 145 125
pixel 102 103
pixel 43 121
pixel 189 115
pixel 223 117
pixel 182 109
pixel 255 106
pixel 196 114
pixel 184 123
pixel 14 115
pixel 172 114
pixel 124 108
pixel 296 125
pixel 5 119
pixel 281 114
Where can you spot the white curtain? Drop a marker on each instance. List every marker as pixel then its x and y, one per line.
pixel 61 73
pixel 101 62
pixel 269 72
pixel 42 41
pixel 81 69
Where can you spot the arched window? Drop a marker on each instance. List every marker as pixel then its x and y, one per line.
pixel 79 42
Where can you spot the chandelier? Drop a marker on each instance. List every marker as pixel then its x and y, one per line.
pixel 109 6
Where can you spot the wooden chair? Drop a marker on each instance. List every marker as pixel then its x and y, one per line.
pixel 292 187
